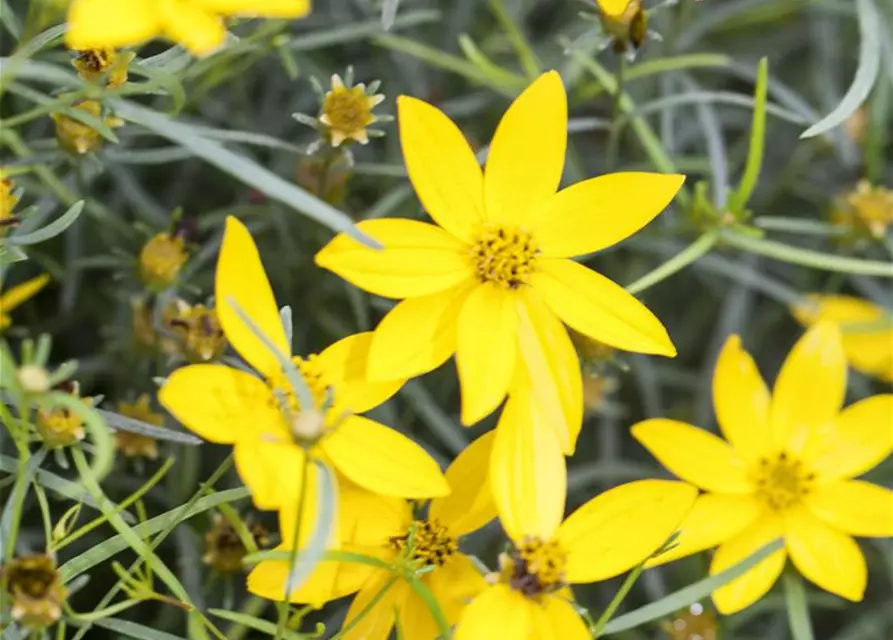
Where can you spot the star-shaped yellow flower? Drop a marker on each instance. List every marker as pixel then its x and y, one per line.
pixel 381 527
pixel 610 534
pixel 195 24
pixel 493 280
pixel 867 330
pixel 261 416
pixel 785 472
pixel 18 295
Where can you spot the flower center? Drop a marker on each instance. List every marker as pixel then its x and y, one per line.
pixel 305 424
pixel 503 255
pixel 535 567
pixel 432 544
pixel 781 481
pixel 347 110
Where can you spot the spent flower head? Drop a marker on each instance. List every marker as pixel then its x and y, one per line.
pixel 161 260
pixel 35 590
pixel 8 201
pixel 103 65
pixel 866 210
pixel 138 445
pixel 79 138
pixel 197 331
pixel 62 426
pixel 224 548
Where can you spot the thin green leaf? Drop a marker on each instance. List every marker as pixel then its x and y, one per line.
pixel 135 630
pixel 690 594
pixel 104 446
pixel 41 40
pixel 158 78
pixel 252 622
pixel 389 13
pixel 740 198
pixel 19 489
pixel 687 256
pixel 241 168
pixel 423 592
pixel 13 68
pixel 117 422
pixel 797 606
pixel 315 551
pixel 365 611
pixel 51 230
pixel 870 25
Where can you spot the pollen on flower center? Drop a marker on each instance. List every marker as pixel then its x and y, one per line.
pixel 431 543
pixel 503 255
pixel 782 481
pixel 534 567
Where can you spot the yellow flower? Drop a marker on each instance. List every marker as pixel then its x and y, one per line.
pixel 867 330
pixel 77 137
pixel 347 112
pixel 491 282
pixel 198 331
pixel 625 20
pixel 610 534
pixel 196 24
pixel 132 444
pixel 8 202
pixel 94 65
pixel 19 294
pixel 261 416
pixel 785 472
pixel 381 527
pixel 161 259
pixel 60 426
pixel 35 589
pixel 867 207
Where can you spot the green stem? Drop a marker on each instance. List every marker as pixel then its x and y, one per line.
pixel 687 256
pixel 616 124
pixel 797 606
pixel 293 554
pixel 612 607
pixel 20 489
pixel 529 62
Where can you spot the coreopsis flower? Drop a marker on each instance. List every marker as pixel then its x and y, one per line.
pixel 138 445
pixel 199 334
pixel 346 112
pixel 625 20
pixel 421 547
pixel 785 470
pixel 106 65
pixel 8 201
pixel 77 137
pixel 612 533
pixel 18 295
pixel 35 590
pixel 867 330
pixel 493 280
pixel 867 209
pixel 262 417
pixel 60 426
pixel 198 25
pixel 161 260
pixel 224 548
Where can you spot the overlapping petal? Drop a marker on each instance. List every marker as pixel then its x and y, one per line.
pixel 469 505
pixel 855 507
pixel 741 400
pixel 598 536
pixel 486 350
pixel 556 619
pixel 599 308
pixel 441 166
pixel 526 157
pixel 199 30
pixel 456 584
pixel 499 612
pixel 825 556
pixel 346 363
pixel 694 455
pixel 417 259
pixel 241 279
pixel 383 595
pixel 94 24
pixel 272 471
pixel 382 460
pixel 600 212
pixel 221 404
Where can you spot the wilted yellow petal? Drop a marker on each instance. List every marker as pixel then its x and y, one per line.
pixel 241 279
pixel 855 507
pixel 600 212
pixel 597 307
pixel 346 363
pixel 441 167
pixel 470 505
pixel 97 24
pixel 526 157
pixel 622 527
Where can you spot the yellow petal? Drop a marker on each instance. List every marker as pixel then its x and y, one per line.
pixel 486 350
pixel 548 378
pixel 309 501
pixel 694 455
pixel 600 212
pixel 613 7
pixel 741 400
pixel 623 527
pixel 499 612
pixel 715 518
pixel 867 351
pixel 556 619
pixel 470 505
pixel 825 556
pixel 417 335
pixel 197 29
pixel 369 519
pixel 377 622
pixel 455 585
pixel 241 278
pixel 383 461
pixel 346 362
pixel 414 616
pixel 528 476
pixel 417 259
pixel 526 157
pixel 744 590
pixel 599 308
pixel 11 299
pixel 265 8
pixel 270 470
pixel 95 24
pixel 810 387
pixel 441 166
pixel 859 440
pixel 221 404
pixel 856 507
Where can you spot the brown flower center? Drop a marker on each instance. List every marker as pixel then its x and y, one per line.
pixel 430 543
pixel 535 567
pixel 782 481
pixel 503 255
